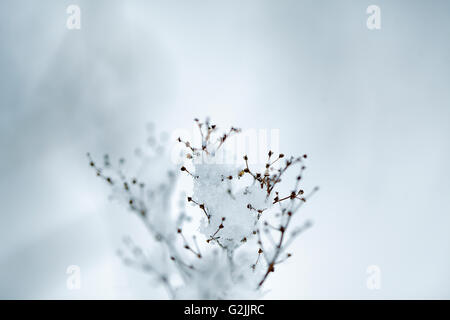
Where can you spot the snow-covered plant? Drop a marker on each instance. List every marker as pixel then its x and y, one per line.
pixel 245 227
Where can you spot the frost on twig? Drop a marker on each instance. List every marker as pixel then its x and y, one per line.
pixel 245 218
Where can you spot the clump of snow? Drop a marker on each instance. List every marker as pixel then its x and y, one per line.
pixel 222 199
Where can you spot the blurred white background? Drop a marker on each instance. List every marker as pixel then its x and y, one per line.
pixel 370 107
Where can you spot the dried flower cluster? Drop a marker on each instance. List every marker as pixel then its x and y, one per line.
pixel 245 225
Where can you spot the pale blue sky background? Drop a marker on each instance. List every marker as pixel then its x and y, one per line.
pixel 371 108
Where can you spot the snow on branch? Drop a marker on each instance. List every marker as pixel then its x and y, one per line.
pixel 245 221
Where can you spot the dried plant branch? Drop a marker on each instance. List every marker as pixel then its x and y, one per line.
pixel 231 214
